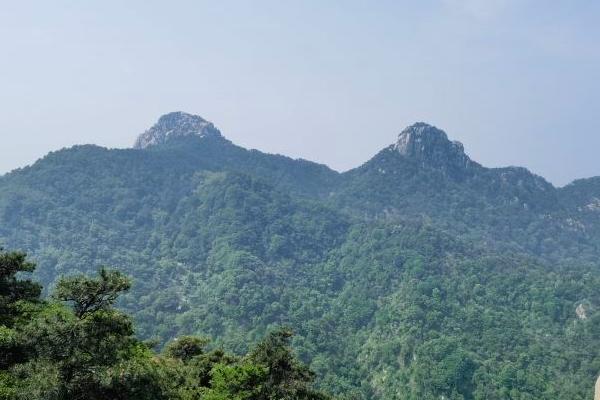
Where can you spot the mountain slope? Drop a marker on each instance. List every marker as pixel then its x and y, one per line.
pixel 424 175
pixel 418 275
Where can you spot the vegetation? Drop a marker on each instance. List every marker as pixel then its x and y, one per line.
pixel 79 347
pixel 400 280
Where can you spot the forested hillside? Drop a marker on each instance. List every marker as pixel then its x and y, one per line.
pixel 77 346
pixel 417 275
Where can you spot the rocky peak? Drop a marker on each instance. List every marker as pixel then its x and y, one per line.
pixel 176 124
pixel 431 145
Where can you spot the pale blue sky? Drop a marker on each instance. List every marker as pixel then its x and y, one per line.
pixel 331 81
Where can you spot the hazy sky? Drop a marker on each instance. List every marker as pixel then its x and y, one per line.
pixel 518 82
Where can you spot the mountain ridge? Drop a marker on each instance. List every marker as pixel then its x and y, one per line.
pixel 434 143
pixel 422 174
pixel 402 279
pixel 179 124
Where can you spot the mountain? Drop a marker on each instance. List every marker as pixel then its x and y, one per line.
pixel 425 175
pixel 420 274
pixel 431 146
pixel 176 125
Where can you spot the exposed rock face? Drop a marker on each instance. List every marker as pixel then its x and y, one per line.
pixel 176 124
pixel 597 395
pixel 431 146
pixel 594 205
pixel 581 312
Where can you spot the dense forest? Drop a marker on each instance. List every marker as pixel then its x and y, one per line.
pixel 76 345
pixel 418 275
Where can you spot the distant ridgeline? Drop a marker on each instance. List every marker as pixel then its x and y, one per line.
pixel 419 275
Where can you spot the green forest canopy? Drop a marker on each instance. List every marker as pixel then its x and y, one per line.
pixel 410 277
pixel 76 345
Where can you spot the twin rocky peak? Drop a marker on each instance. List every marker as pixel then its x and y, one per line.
pixel 420 141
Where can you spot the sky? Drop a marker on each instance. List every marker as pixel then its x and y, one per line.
pixel 517 82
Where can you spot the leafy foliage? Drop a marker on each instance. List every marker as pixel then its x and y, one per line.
pixel 402 280
pixel 88 351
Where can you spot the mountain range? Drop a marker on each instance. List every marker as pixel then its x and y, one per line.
pixel 420 274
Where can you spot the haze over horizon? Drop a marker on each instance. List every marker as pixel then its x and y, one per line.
pixel 515 82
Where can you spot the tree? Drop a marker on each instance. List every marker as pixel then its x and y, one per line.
pixel 286 377
pixel 81 347
pixel 243 381
pixel 12 289
pixel 88 296
pixel 15 294
pixel 186 347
